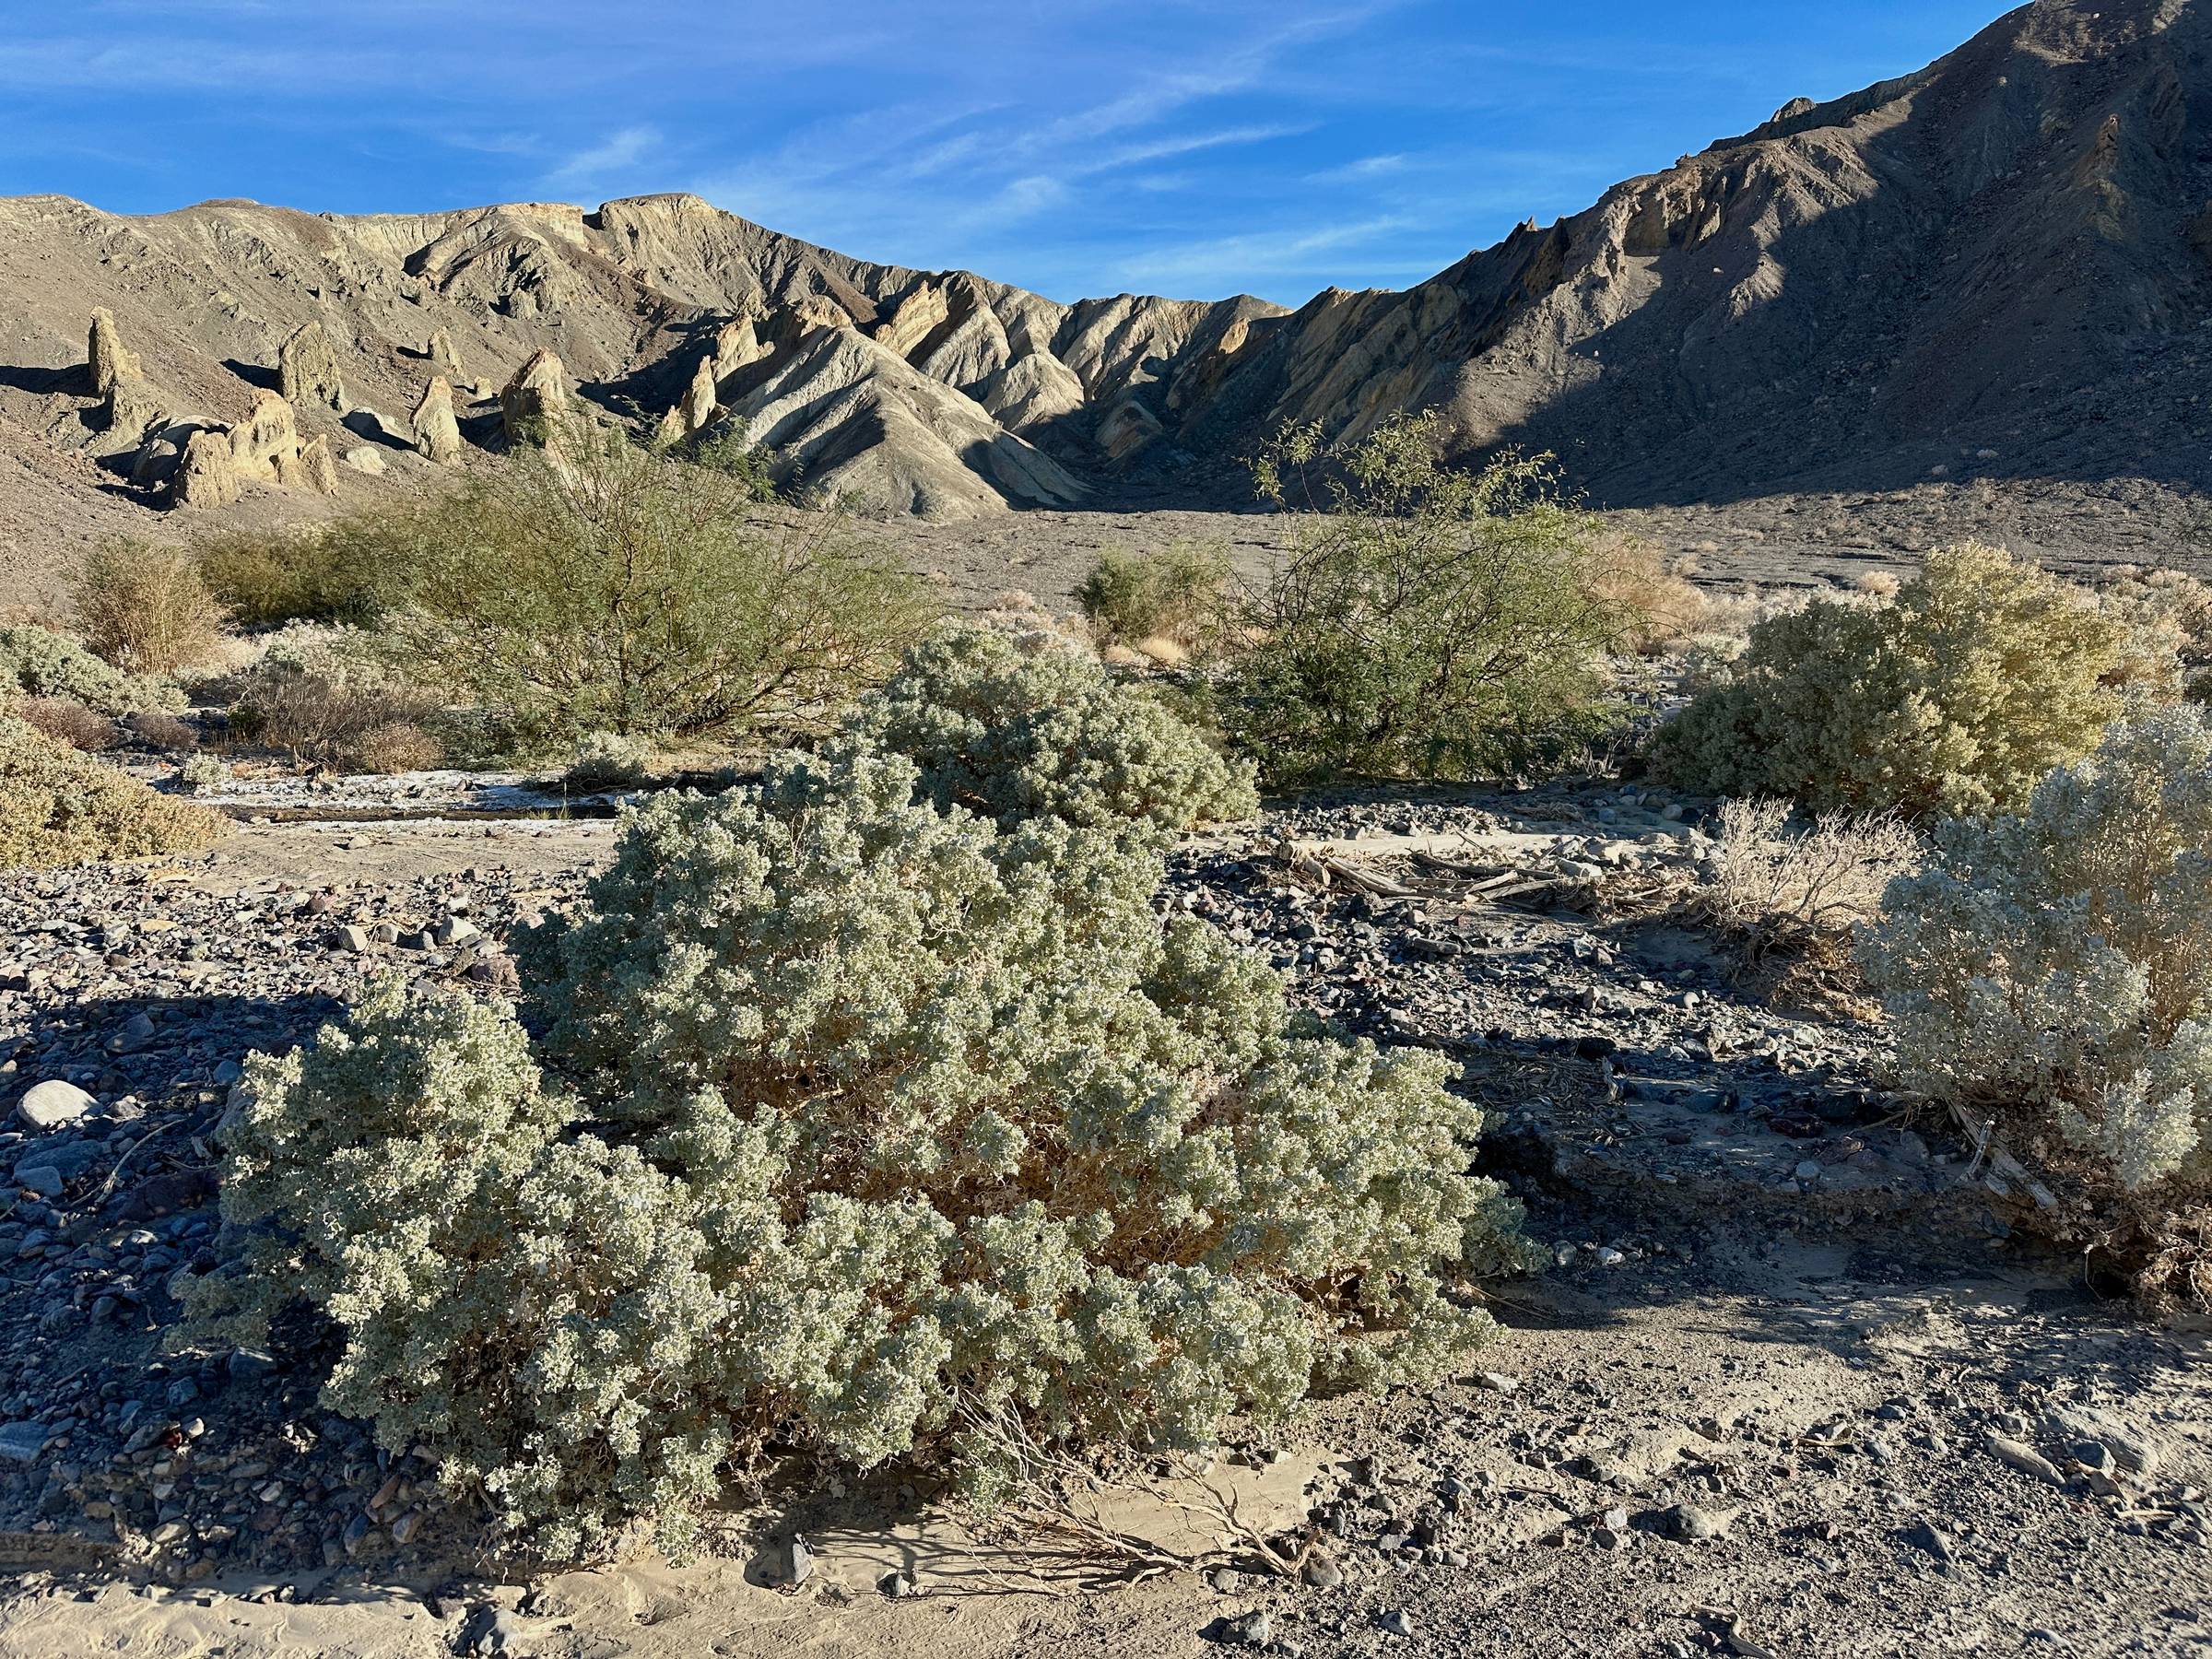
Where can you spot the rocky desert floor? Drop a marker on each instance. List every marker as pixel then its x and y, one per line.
pixel 1795 1382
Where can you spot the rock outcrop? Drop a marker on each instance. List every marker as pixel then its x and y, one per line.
pixel 307 368
pixel 264 444
pixel 694 412
pixel 318 465
pixel 437 434
pixel 535 402
pixel 206 475
pixel 445 357
pixel 108 360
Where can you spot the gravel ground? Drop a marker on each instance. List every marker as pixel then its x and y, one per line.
pixel 1796 1384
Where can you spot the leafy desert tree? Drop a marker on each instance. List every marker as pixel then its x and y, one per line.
pixel 1430 622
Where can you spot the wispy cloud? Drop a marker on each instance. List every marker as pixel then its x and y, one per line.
pixel 619 153
pixel 1256 254
pixel 1366 170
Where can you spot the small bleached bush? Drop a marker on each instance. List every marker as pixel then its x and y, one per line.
pixel 1983 675
pixel 58 807
pixel 39 661
pixel 1772 883
pixel 199 772
pixel 1015 734
pixel 848 1110
pixel 2168 615
pixel 607 760
pixel 146 608
pixel 2054 970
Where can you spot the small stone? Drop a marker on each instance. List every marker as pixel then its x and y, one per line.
pixel 137 1033
pixel 1252 1629
pixel 2026 1459
pixel 406 1527
pixel 1396 1622
pixel 1688 1524
pixel 1225 1581
pixel 1322 1572
pixel 798 1563
pixel 897 1586
pixel 1609 1257
pixel 352 938
pixel 1932 1539
pixel 1808 1169
pixel 1497 1382
pixel 454 930
pixel 53 1103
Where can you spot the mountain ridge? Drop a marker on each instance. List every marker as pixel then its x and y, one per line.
pixel 1991 268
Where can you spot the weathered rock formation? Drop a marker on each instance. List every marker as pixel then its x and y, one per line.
pixel 107 357
pixel 266 442
pixel 444 356
pixel 207 475
pixel 534 403
pixel 694 412
pixel 436 433
pixel 307 368
pixel 318 468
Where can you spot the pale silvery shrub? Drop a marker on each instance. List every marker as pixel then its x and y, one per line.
pixel 2053 966
pixel 849 1110
pixel 1015 734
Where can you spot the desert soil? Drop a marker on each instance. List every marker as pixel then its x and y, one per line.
pixel 1794 1382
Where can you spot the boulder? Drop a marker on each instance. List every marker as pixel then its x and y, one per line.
pixel 436 433
pixel 318 469
pixel 365 458
pixel 307 368
pixel 267 435
pixel 110 360
pixel 54 1104
pixel 537 400
pixel 206 475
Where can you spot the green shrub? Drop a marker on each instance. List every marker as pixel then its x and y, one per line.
pixel 335 573
pixel 1983 675
pixel 40 663
pixel 58 807
pixel 146 608
pixel 2168 615
pixel 1178 593
pixel 2053 970
pixel 848 1111
pixel 1429 622
pixel 607 760
pixel 727 448
pixel 603 588
pixel 1012 734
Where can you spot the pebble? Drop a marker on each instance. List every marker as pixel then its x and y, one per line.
pixel 2026 1459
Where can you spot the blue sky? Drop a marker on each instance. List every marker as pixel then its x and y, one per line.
pixel 1075 146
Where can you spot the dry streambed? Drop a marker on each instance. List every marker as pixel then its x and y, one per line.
pixel 1790 1386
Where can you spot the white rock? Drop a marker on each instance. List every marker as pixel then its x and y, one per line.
pixel 53 1103
pixel 365 458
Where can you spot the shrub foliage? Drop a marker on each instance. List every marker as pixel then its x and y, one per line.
pixel 58 807
pixel 146 609
pixel 39 661
pixel 1177 594
pixel 848 1109
pixel 1430 622
pixel 2053 969
pixel 1983 675
pixel 600 587
pixel 1014 734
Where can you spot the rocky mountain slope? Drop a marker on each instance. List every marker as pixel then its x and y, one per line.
pixel 1991 273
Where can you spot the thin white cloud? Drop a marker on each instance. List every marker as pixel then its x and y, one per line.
pixel 1233 259
pixel 1364 170
pixel 620 152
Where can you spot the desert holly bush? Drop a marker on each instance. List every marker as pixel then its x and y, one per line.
pixel 39 661
pixel 1013 732
pixel 1980 676
pixel 1428 621
pixel 607 760
pixel 846 1110
pixel 2053 970
pixel 58 807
